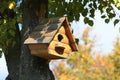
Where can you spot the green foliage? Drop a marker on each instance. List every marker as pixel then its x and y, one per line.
pixel 86 8
pixel 7 31
pixel 77 41
pixel 9 15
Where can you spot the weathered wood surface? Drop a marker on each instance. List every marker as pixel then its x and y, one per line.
pixel 62 30
pixel 38 46
pixel 48 54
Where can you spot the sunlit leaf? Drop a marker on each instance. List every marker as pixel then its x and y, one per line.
pixel 11 5
pixel 118 5
pixel 4 21
pixel 115 1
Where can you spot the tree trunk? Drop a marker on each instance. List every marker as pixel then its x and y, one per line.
pixel 32 67
pixel 13 59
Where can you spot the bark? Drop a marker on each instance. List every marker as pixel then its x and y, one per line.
pixel 13 59
pixel 32 67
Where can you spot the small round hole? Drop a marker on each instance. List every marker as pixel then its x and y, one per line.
pixel 60 37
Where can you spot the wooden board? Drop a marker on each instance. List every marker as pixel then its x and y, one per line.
pixel 61 30
pixel 48 54
pixel 38 46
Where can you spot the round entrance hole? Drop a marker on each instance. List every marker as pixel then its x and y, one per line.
pixel 60 37
pixel 59 50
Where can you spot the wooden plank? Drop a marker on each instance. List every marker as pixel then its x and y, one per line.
pixel 69 35
pixel 51 54
pixel 38 46
pixel 62 30
pixel 39 52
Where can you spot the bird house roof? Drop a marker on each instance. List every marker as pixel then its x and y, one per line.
pixel 47 29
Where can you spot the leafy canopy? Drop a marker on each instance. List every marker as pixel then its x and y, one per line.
pixel 74 9
pixel 9 18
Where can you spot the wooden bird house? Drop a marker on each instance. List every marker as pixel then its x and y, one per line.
pixel 52 39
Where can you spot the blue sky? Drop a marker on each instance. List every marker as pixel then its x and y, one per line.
pixel 106 35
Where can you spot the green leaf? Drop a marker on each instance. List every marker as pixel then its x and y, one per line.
pixel 85 2
pixel 92 11
pixel 116 21
pixel 0 53
pixel 103 16
pixel 107 20
pixel 90 22
pixel 77 41
pixel 95 5
pixel 100 7
pixel 86 20
pixel 108 10
pixel 84 13
pixel 90 5
pixel 111 15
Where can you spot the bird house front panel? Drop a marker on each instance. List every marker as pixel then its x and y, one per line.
pixel 60 43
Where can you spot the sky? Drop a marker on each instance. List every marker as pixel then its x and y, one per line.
pixel 105 35
pixel 3 68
